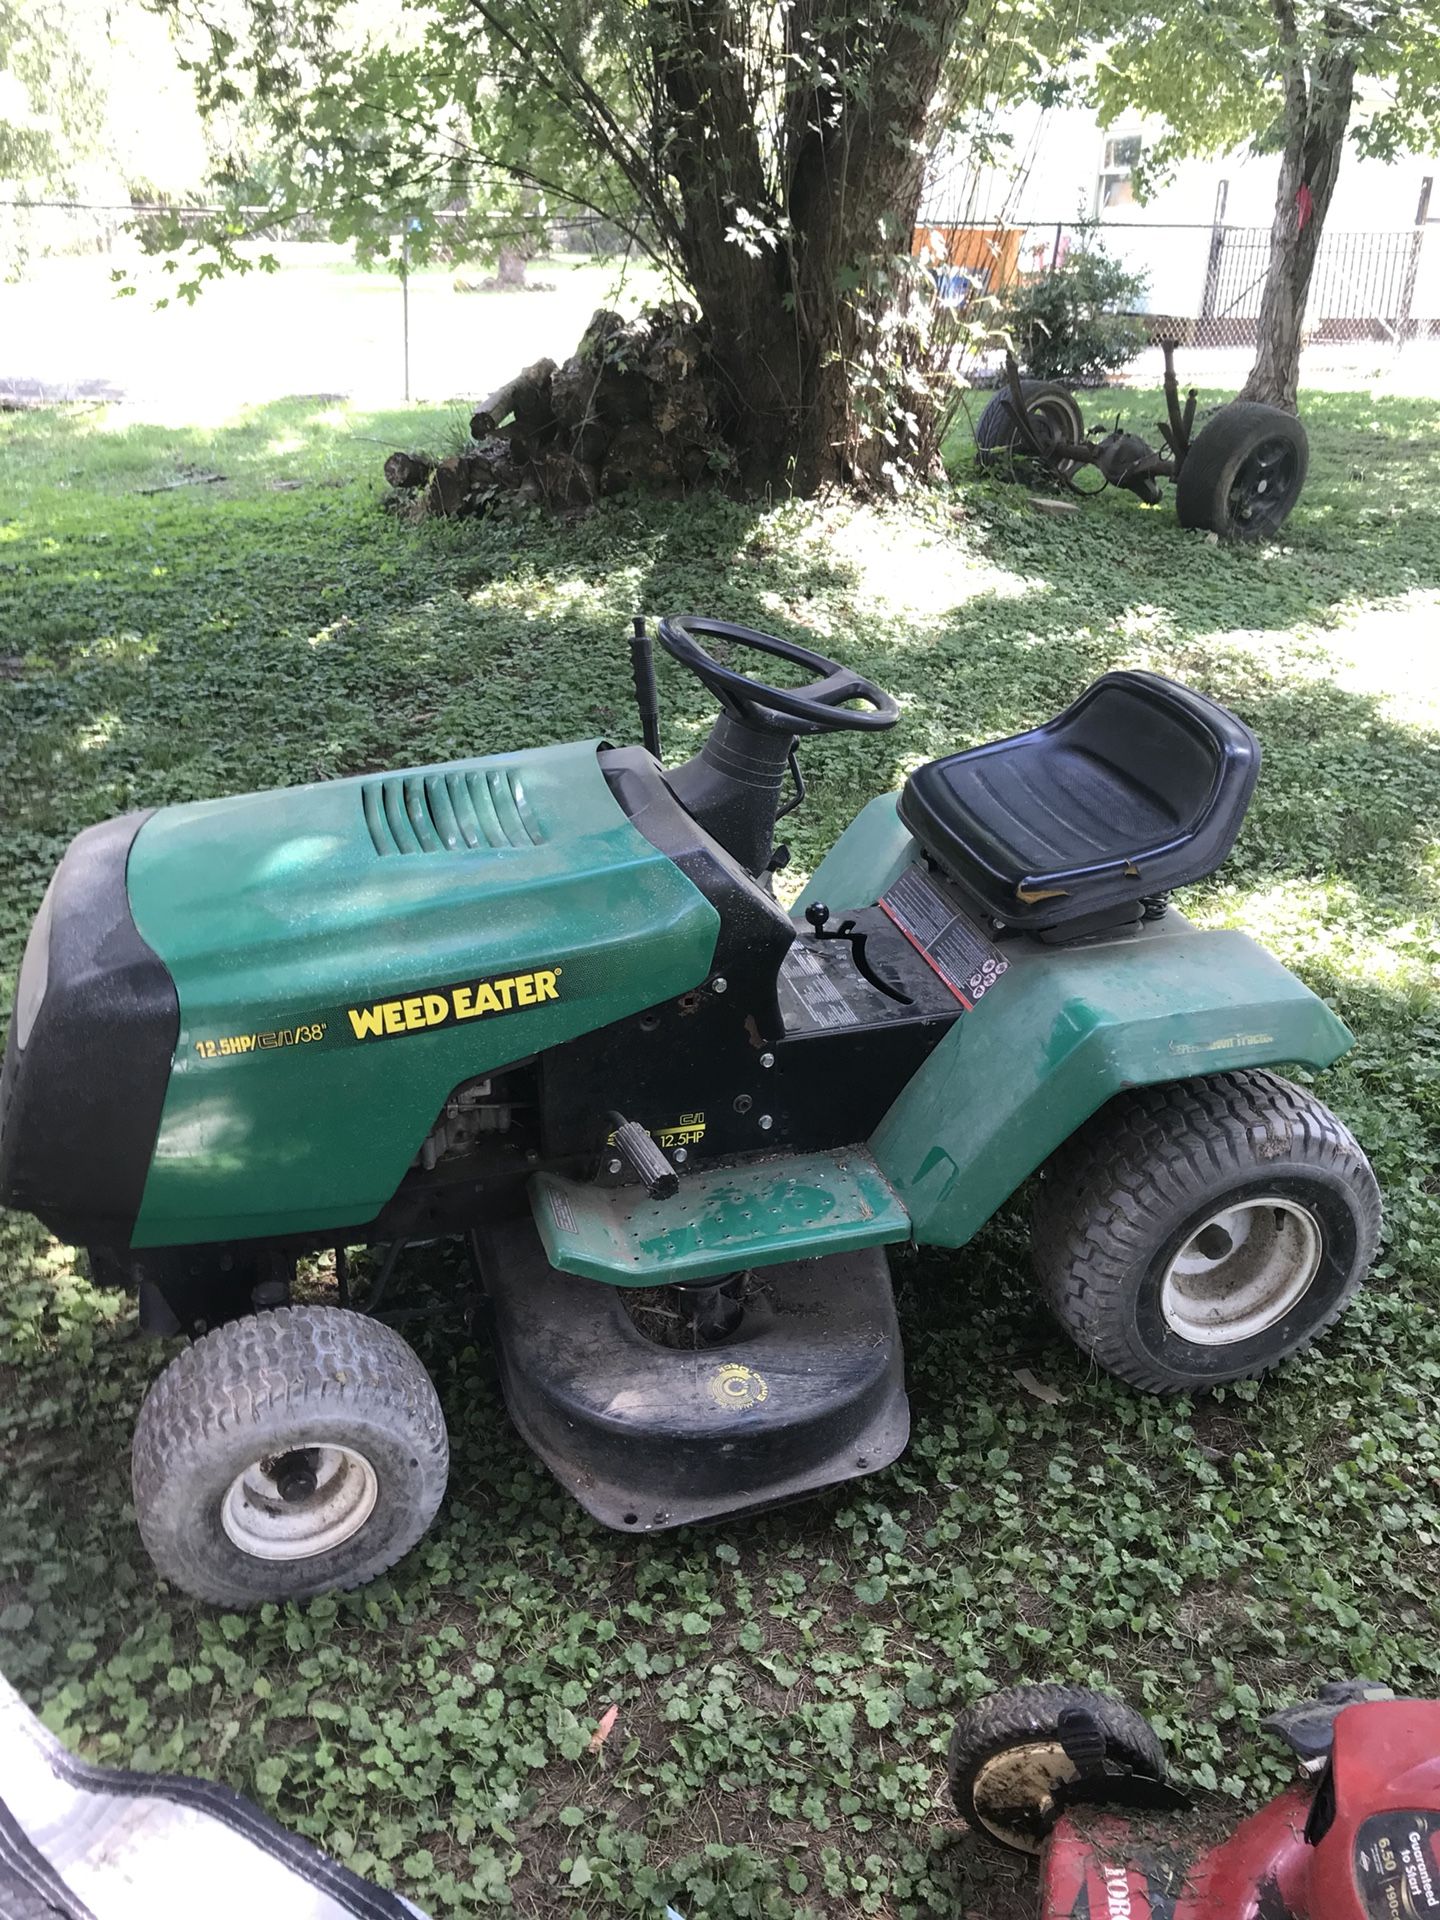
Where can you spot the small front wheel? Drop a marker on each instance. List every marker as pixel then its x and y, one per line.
pixel 287 1454
pixel 1203 1231
pixel 1008 1757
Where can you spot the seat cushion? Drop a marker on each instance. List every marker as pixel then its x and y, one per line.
pixel 1138 787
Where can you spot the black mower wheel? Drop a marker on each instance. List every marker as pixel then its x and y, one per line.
pixel 1244 472
pixel 1007 1757
pixel 287 1454
pixel 1204 1231
pixel 1053 412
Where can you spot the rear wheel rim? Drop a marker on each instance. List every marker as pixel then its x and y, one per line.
pixel 1013 1792
pixel 1241 1271
pixel 1264 484
pixel 1052 421
pixel 299 1502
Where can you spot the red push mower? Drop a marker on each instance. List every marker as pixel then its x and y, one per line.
pixel 1079 1779
pixel 1239 476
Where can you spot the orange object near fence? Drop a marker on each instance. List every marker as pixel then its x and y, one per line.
pixel 991 254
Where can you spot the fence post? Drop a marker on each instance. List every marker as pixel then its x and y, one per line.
pixel 405 304
pixel 1055 250
pixel 1217 249
pixel 1412 265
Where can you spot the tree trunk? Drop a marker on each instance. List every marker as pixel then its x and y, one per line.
pixel 1317 114
pixel 510 269
pixel 790 260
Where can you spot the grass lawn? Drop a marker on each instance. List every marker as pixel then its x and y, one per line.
pixel 785 1684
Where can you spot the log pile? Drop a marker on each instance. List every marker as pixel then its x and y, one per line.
pixel 633 407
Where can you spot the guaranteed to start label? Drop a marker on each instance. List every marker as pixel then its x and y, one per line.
pixel 1397 1864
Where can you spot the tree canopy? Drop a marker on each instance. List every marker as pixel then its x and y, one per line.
pixel 1222 73
pixel 1293 77
pixel 48 106
pixel 770 153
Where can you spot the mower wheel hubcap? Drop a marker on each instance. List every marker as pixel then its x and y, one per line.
pixel 1241 1271
pixel 1013 1793
pixel 300 1502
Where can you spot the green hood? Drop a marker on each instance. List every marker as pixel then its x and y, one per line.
pixel 346 954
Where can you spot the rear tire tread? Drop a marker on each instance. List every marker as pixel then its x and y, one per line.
pixel 1094 1210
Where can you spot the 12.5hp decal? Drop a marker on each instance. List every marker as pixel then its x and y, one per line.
pixel 421 1012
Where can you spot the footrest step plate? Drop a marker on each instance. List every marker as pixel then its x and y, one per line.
pixel 792 1207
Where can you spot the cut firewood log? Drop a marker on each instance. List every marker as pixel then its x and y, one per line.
pixel 681 408
pixel 526 398
pixel 466 483
pixel 603 328
pixel 572 391
pixel 586 443
pixel 449 485
pixel 408 469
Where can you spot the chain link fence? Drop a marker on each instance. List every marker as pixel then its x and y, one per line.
pixel 1373 308
pixel 323 325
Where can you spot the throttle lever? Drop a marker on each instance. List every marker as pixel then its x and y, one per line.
pixel 818 915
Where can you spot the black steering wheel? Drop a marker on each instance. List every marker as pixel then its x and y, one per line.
pixel 817 707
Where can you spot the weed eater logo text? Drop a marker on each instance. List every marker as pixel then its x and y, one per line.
pixel 446 1006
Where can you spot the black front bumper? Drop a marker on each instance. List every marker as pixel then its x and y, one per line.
pixel 80 1102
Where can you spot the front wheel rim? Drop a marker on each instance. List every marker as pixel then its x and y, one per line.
pixel 1013 1793
pixel 299 1501
pixel 1241 1271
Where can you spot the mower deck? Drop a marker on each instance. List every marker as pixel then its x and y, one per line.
pixel 753 1215
pixel 806 1393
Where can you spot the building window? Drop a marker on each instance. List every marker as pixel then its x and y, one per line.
pixel 1122 156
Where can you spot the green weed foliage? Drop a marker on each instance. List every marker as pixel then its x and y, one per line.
pixel 786 1683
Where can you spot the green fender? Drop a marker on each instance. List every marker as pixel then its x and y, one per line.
pixel 1065 1030
pixel 870 855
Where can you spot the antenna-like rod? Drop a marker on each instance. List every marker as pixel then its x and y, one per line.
pixel 647 694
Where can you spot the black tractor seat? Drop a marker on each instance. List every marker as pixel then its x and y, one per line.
pixel 1138 787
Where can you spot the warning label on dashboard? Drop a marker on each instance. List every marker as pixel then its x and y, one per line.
pixel 938 928
pixel 812 994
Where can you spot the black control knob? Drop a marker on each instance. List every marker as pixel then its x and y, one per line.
pixel 645 1160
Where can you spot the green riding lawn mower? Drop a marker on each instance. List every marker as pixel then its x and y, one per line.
pixel 548 1002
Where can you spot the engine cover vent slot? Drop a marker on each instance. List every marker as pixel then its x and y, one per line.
pixel 454 812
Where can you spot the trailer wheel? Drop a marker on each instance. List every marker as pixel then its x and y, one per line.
pixel 1053 412
pixel 1204 1231
pixel 1007 1757
pixel 1244 472
pixel 287 1454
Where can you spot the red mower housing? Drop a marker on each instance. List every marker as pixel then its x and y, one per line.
pixel 1080 1779
pixel 1363 1844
